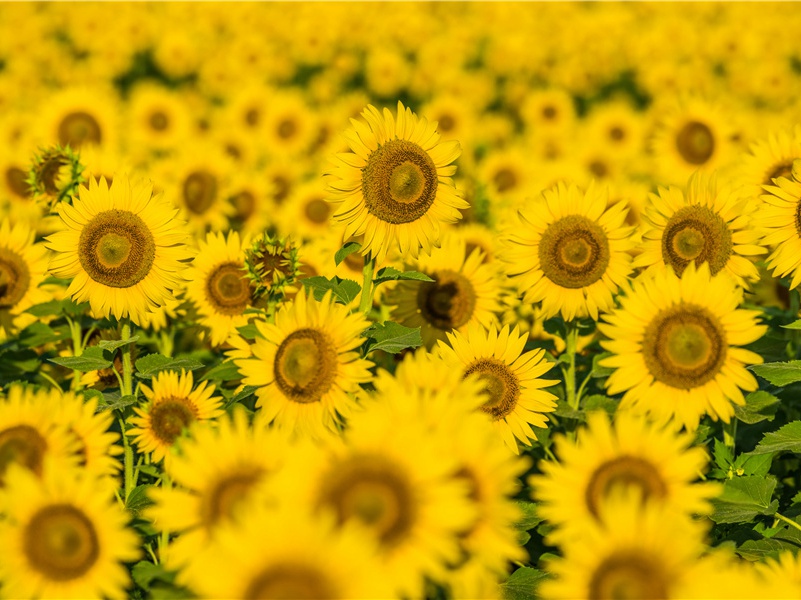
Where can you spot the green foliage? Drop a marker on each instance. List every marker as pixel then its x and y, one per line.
pixel 392 274
pixel 391 337
pixel 344 291
pixel 779 373
pixel 759 406
pixel 786 438
pixel 744 498
pixel 112 345
pixel 92 359
pixel 523 583
pixel 138 499
pixel 225 371
pixel 152 364
pixel 346 251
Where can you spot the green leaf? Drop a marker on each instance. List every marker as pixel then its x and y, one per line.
pixel 392 337
pixel 723 455
pixel 38 334
pixel 112 345
pixel 225 371
pixel 600 402
pixel 754 464
pixel 757 550
pixel 116 402
pixel 138 499
pixel 786 438
pixel 392 274
pixel 522 584
pixel 530 517
pixel 744 498
pixel 46 309
pixel 82 363
pixel 344 290
pixel 793 325
pixel 563 409
pixel 150 365
pixel 93 395
pixel 249 331
pixel 144 573
pixel 597 369
pixel 779 373
pixel 245 392
pixel 346 251
pixel 759 406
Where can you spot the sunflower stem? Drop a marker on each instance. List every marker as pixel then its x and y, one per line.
pixel 127 367
pixel 571 343
pixel 128 481
pixel 77 350
pixel 788 521
pixel 366 302
pixel 51 381
pixel 730 434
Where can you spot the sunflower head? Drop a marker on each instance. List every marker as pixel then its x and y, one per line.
pixel 54 175
pixel 272 264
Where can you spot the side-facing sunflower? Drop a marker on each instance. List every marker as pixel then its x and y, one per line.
pixel 711 223
pixel 121 246
pixel 768 159
pixel 395 186
pixel 63 536
pixel 511 379
pixel 570 251
pixel 779 218
pixel 306 364
pixel 173 405
pixel 23 265
pixel 219 285
pixel 659 463
pixel 676 346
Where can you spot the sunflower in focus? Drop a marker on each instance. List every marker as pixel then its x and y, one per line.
pixel 395 186
pixel 779 217
pixel 631 452
pixel 173 405
pixel 712 223
pixel 306 365
pixel 676 346
pixel 121 246
pixel 464 290
pixel 570 251
pixel 219 285
pixel 23 265
pixel 511 379
pixel 64 536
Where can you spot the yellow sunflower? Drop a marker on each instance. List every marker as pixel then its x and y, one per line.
pixel 97 447
pixel 632 452
pixel 465 290
pixel 270 557
pixel 31 433
pixel 768 159
pixel 81 115
pixel 121 246
pixel 786 567
pixel 779 217
pixel 173 405
pixel 290 126
pixel 676 346
pixel 395 187
pixel 306 364
pixel 219 285
pixel 220 471
pixel 712 223
pixel 63 536
pixel 570 251
pixel 23 265
pixel 306 214
pixel 158 119
pixel 511 379
pixel 633 551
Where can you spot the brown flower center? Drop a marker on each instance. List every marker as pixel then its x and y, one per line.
pixel 77 128
pixel 288 581
pixel 16 182
pixel 696 233
pixel 158 120
pixel 501 386
pixel 221 502
pixel 245 204
pixel 170 416
pixel 305 365
pixel 200 191
pixel 317 211
pixel 61 543
pixel 15 278
pixel 624 471
pixel 287 128
pixel 574 252
pixel 505 179
pixel 695 143
pixel 228 288
pixel 629 575
pixel 447 302
pixel 24 445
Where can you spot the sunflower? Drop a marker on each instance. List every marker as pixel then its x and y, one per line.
pixel 694 134
pixel 633 551
pixel 768 159
pixel 618 128
pixel 290 126
pixel 219 285
pixel 63 536
pixel 237 460
pixel 785 567
pixel 158 119
pixel 172 407
pixel 676 346
pixel 464 291
pixel 548 111
pixel 632 452
pixel 779 218
pixel 97 446
pixel 270 557
pixel 252 198
pixel 81 115
pixel 508 175
pixel 23 265
pixel 306 365
pixel 511 379
pixel 306 214
pixel 570 251
pixel 30 432
pixel 122 246
pixel 394 187
pixel 712 223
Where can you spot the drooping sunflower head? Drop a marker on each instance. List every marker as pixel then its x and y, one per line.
pixel 676 345
pixel 121 246
pixel 395 187
pixel 570 251
pixel 710 223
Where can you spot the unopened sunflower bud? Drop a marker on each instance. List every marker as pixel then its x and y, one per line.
pixel 272 265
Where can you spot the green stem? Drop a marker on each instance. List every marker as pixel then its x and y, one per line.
pixel 128 482
pixel 550 454
pixel 164 539
pixel 77 350
pixel 50 380
pixel 571 343
pixel 788 521
pixel 127 367
pixel 730 434
pixel 165 343
pixel 366 302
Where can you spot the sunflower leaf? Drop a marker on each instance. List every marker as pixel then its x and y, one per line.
pixel 522 584
pixel 793 325
pixel 344 290
pixel 779 373
pixel 87 362
pixel 37 334
pixel 530 517
pixel 116 402
pixel 346 251
pixel 112 345
pixel 138 499
pixel 392 274
pixel 150 365
pixel 756 550
pixel 391 337
pixel 145 573
pixel 759 406
pixel 225 371
pixel 744 498
pixel 786 438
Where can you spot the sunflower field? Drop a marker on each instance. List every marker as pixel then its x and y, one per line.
pixel 400 300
